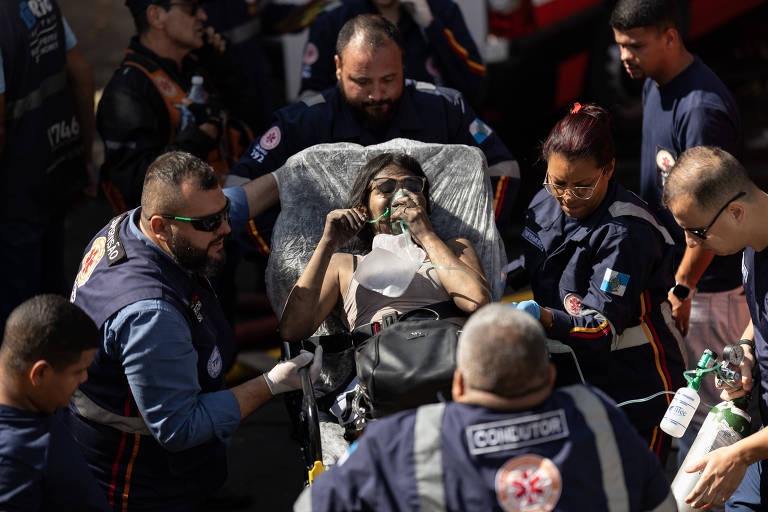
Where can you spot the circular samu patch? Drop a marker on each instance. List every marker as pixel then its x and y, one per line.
pixel 90 260
pixel 271 139
pixel 311 54
pixel 572 303
pixel 214 363
pixel 528 483
pixel 664 160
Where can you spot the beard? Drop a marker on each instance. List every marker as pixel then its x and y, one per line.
pixel 196 259
pixel 376 121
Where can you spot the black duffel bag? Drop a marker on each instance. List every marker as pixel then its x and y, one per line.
pixel 407 364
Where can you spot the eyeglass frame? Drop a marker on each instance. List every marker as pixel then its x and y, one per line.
pixel 701 233
pixel 195 221
pixel 196 6
pixel 549 186
pixel 398 181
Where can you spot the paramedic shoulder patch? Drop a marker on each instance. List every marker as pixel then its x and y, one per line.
pixel 516 433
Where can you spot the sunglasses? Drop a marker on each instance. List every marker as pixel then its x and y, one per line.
pixel 387 186
pixel 207 223
pixel 701 233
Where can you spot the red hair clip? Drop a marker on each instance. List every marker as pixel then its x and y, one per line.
pixel 576 108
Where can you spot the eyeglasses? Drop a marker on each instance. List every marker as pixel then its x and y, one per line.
pixel 191 8
pixel 577 192
pixel 387 186
pixel 207 223
pixel 701 233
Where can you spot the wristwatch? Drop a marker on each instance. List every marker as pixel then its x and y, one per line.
pixel 745 341
pixel 682 292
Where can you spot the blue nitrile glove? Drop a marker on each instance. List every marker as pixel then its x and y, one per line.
pixel 531 307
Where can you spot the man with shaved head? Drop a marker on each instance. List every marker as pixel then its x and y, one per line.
pixel 720 209
pixel 508 440
pixel 154 417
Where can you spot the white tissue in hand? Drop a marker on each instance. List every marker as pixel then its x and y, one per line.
pixel 389 268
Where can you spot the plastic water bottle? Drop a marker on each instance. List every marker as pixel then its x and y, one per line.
pixel 726 423
pixel 196 93
pixel 685 402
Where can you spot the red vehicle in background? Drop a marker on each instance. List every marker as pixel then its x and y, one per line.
pixel 544 54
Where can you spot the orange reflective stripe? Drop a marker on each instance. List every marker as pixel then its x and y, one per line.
pixel 474 67
pixel 261 245
pixel 650 332
pixel 171 92
pixel 129 470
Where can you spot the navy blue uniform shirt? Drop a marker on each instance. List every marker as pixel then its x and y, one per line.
pixel 41 467
pixel 443 53
pixel 605 279
pixel 574 452
pixel 694 109
pixel 426 113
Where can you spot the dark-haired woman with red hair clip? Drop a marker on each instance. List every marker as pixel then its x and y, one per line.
pixel 600 268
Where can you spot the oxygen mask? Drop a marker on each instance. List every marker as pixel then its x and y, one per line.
pixel 397 226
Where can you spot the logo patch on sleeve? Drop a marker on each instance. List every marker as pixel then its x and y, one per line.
pixel 215 363
pixel 310 54
pixel 516 433
pixel 90 260
pixel 572 304
pixel 528 483
pixel 271 139
pixel 614 282
pixel 479 130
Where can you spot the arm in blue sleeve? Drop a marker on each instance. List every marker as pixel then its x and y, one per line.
pixel 456 51
pixel 502 166
pixel 154 344
pixel 259 160
pixel 619 276
pixel 318 71
pixel 238 209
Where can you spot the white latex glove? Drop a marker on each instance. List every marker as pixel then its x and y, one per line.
pixel 419 11
pixel 285 376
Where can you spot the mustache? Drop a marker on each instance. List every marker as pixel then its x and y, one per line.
pixel 378 103
pixel 217 240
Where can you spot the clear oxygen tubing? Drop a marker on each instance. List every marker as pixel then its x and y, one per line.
pixel 554 347
pixel 687 374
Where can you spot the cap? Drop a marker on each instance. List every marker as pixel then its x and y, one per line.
pixel 139 6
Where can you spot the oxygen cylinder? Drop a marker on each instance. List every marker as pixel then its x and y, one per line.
pixel 726 423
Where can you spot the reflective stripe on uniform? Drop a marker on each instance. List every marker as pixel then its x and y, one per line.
pixel 89 409
pixel 428 457
pixel 312 99
pixel 506 168
pixel 48 87
pixel 621 208
pixel 596 418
